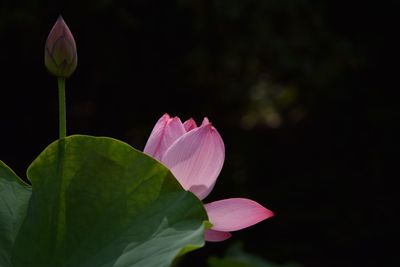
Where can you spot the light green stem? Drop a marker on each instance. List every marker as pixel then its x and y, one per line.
pixel 62 112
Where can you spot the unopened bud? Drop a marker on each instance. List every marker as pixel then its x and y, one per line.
pixel 60 55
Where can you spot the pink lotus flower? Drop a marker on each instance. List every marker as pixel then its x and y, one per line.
pixel 195 156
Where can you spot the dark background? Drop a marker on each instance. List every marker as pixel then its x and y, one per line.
pixel 302 92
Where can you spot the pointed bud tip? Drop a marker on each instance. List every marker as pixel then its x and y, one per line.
pixel 60 20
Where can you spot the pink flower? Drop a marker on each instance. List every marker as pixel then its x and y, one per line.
pixel 195 156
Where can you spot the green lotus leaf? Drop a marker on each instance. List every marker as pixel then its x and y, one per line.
pixel 96 202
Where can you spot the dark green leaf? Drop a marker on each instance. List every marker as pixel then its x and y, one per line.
pixel 14 199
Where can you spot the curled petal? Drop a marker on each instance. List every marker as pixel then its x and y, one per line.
pixel 216 236
pixel 189 125
pixel 235 214
pixel 164 133
pixel 196 159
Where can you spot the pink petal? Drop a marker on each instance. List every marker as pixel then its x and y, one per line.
pixel 164 133
pixel 205 121
pixel 196 159
pixel 216 236
pixel 189 125
pixel 235 213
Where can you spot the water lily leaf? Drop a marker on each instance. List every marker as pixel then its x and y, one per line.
pixel 99 202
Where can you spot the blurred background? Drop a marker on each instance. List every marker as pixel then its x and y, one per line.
pixel 302 92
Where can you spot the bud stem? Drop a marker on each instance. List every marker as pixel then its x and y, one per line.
pixel 62 113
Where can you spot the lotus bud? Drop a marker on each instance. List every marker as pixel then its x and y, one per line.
pixel 60 55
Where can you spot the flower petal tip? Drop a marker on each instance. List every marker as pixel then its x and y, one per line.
pixel 205 122
pixel 164 133
pixel 190 124
pixel 269 213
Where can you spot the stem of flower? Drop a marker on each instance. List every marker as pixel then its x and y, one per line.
pixel 61 105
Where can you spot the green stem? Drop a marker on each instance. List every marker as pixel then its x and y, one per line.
pixel 62 113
